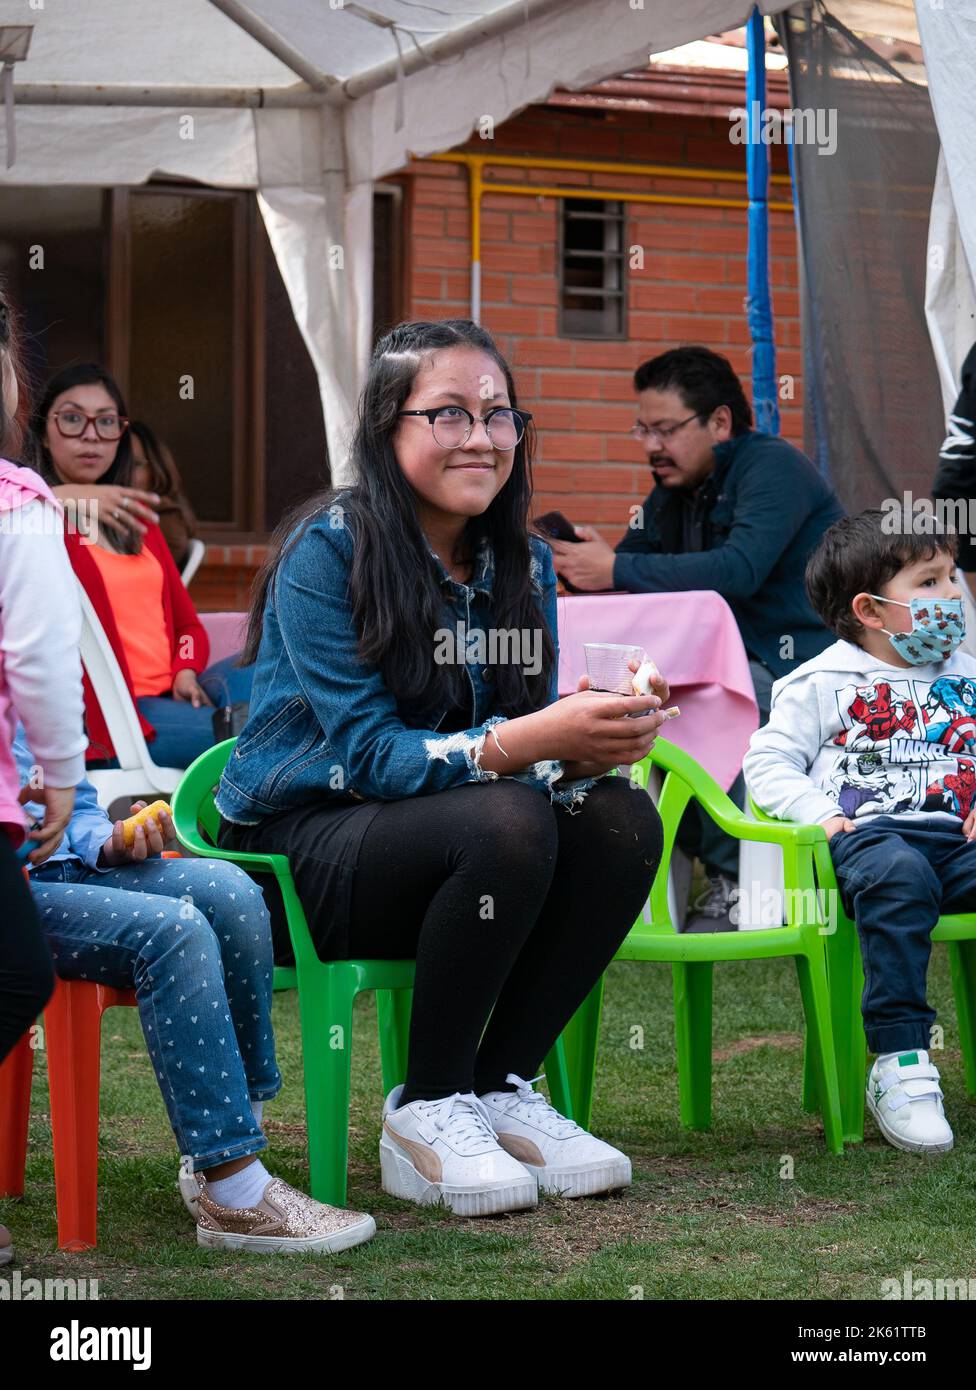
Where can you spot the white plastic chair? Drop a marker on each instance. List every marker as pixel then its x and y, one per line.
pixel 136 773
pixel 193 562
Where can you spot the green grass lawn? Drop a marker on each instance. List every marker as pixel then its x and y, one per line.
pixel 708 1216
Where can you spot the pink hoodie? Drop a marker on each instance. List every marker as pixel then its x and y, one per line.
pixel 40 628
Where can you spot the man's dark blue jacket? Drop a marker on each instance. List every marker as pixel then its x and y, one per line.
pixel 762 513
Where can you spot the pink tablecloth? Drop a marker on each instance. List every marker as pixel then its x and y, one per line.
pixel 694 639
pixel 226 633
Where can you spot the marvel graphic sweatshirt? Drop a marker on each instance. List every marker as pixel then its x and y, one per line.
pixel 853 736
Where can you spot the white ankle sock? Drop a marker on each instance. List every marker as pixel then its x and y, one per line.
pixel 245 1188
pixel 257 1109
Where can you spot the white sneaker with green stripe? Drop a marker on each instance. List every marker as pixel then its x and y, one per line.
pixel 905 1098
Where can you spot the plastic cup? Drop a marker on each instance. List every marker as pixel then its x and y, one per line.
pixel 607 666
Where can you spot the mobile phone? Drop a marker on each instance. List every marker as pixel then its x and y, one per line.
pixel 556 526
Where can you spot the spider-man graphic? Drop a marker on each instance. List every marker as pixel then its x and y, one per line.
pixel 958 790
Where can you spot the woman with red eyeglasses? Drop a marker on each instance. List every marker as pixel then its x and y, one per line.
pixel 121 558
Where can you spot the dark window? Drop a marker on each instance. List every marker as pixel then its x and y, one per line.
pixel 182 344
pixel 592 290
pixel 52 258
pixel 387 257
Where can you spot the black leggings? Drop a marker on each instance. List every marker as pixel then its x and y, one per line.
pixel 511 906
pixel 26 972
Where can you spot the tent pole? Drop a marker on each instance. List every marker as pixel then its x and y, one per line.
pixel 764 396
pixel 270 39
pixel 456 41
pixel 164 94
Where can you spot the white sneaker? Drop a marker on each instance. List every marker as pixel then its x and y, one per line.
pixel 566 1159
pixel 190 1185
pixel 446 1151
pixel 906 1101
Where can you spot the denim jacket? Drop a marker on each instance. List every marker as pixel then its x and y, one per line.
pixel 323 725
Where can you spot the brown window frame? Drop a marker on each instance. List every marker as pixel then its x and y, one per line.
pixel 566 213
pixel 394 190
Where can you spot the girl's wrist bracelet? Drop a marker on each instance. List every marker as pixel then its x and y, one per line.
pixel 497 740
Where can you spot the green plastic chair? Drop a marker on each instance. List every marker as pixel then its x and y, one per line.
pixel 692 955
pixel 326 989
pixel 845 978
pixel 326 992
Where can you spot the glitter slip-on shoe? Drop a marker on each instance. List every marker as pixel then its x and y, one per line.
pixel 284 1222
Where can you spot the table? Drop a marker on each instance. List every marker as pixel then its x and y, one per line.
pixel 226 633
pixel 695 641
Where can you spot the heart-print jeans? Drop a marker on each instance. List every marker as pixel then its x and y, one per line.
pixel 193 938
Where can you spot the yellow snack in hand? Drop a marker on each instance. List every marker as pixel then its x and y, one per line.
pixel 140 818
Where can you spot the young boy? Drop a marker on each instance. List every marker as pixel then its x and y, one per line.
pixel 875 739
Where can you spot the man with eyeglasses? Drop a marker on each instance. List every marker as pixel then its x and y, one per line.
pixel 731 510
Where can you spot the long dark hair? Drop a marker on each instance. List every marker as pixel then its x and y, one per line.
pixel 119 471
pixel 396 601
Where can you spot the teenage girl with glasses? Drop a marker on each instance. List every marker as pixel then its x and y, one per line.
pixel 446 809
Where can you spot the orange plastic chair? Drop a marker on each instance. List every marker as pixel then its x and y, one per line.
pixel 73 1038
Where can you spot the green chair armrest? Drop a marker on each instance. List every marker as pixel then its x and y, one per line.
pixel 720 807
pixel 818 832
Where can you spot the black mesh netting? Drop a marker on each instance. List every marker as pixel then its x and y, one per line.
pixel 873 414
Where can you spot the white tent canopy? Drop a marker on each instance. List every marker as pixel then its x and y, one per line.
pixel 309 101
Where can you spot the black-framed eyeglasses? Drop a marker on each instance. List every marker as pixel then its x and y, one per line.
pixel 662 432
pixel 108 425
pixel 452 425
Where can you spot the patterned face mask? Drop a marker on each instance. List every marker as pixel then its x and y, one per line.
pixel 938 626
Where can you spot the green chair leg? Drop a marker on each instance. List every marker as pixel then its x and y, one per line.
pixel 393 1019
pixel 962 963
pixel 812 977
pixel 558 1080
pixel 845 978
pixel 325 1001
pixel 693 1034
pixel 571 1065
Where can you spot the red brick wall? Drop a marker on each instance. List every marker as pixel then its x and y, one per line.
pixel 223 582
pixel 691 288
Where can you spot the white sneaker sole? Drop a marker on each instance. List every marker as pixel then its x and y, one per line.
pixel 401 1179
pixel 584 1179
pixel 911 1146
pixel 356 1234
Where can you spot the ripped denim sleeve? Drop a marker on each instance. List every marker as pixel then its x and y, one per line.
pixel 470 745
pixel 572 794
pixel 547 776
